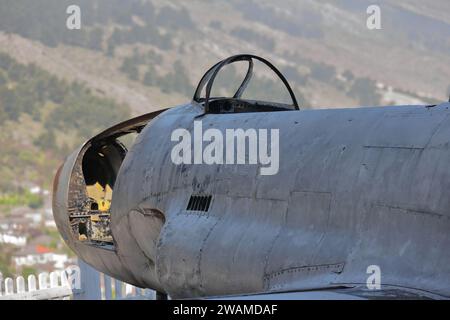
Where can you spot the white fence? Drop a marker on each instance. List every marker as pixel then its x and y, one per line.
pixel 76 282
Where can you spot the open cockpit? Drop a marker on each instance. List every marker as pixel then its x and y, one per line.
pixel 92 180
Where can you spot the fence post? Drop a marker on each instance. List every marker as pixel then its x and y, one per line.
pixel 118 289
pixel 72 278
pixel 128 290
pixel 54 279
pixel 9 286
pixel 43 280
pixel 108 287
pixel 150 294
pixel 90 283
pixel 20 285
pixel 32 283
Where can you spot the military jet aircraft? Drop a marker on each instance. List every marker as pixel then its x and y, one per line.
pixel 229 197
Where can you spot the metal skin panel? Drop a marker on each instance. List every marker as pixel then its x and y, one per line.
pixel 355 187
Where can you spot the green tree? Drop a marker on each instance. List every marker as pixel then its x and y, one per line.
pixel 323 72
pixel 35 202
pixel 150 77
pixel 111 49
pixel 9 102
pixel 5 262
pixel 3 115
pixel 46 140
pixel 5 61
pixel 130 68
pixel 95 39
pixel 348 75
pixel 3 78
pixel 365 91
pixel 28 271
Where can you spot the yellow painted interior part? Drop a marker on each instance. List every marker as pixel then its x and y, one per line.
pixel 101 196
pixel 104 205
pixel 108 193
pixel 95 217
pixel 95 191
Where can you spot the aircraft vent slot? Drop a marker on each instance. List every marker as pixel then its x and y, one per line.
pixel 199 203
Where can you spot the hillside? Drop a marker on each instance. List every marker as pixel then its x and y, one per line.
pixel 145 55
pixel 41 119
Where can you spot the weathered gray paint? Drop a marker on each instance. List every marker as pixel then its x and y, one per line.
pixel 356 187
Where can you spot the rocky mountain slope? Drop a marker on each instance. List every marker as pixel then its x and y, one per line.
pixel 146 55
